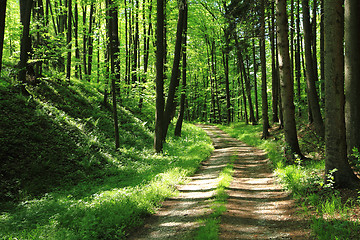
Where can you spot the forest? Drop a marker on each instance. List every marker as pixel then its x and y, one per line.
pixel 105 108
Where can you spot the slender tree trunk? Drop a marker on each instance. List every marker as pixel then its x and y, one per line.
pixel 248 93
pixel 160 101
pixel 115 62
pixel 265 117
pixel 68 40
pixel 255 81
pixel 175 73
pixel 274 69
pixel 286 82
pixel 183 89
pixel 322 51
pixel 314 38
pixel 90 40
pixel 84 42
pixel 310 73
pixel 297 57
pixel 2 28
pixel 77 50
pixel 25 42
pixel 352 74
pixel 227 86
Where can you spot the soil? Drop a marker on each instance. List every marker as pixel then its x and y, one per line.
pixel 257 207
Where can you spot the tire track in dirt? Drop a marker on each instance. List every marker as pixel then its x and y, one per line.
pixel 257 207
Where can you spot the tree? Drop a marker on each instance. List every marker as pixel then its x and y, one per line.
pixel 160 100
pixel 183 88
pixel 2 28
pixel 115 62
pixel 170 106
pixel 311 76
pixel 335 134
pixel 68 40
pixel 265 116
pixel 286 82
pixel 352 74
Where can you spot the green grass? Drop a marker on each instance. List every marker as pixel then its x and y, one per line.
pixel 63 179
pixel 331 217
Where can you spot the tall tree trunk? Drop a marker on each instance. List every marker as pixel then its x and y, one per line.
pixel 322 51
pixel 310 73
pixel 76 35
pixel 274 69
pixel 25 42
pixel 90 40
pixel 255 81
pixel 286 82
pixel 335 134
pixel 68 40
pixel 183 89
pixel 2 28
pixel 297 57
pixel 115 62
pixel 84 9
pixel 227 86
pixel 248 92
pixel 265 117
pixel 314 38
pixel 352 74
pixel 170 106
pixel 160 101
pixel 136 44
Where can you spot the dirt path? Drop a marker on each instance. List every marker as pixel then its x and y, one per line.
pixel 257 207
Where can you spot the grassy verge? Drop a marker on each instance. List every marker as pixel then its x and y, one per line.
pixel 210 225
pixel 333 216
pixel 62 178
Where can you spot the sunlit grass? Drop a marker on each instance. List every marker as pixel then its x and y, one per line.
pixel 106 193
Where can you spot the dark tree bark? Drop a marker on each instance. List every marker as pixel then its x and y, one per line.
pixel 227 84
pixel 286 82
pixel 265 117
pixel 248 92
pixel 90 40
pixel 274 70
pixel 314 38
pixel 183 88
pixel 352 74
pixel 297 57
pixel 134 75
pixel 322 51
pixel 2 28
pixel 25 42
pixel 84 42
pixel 311 76
pixel 68 40
pixel 335 134
pixel 146 50
pixel 76 35
pixel 160 101
pixel 115 62
pixel 170 106
pixel 255 82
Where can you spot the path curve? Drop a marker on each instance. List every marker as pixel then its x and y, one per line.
pixel 257 207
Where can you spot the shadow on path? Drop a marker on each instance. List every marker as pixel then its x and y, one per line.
pixel 257 207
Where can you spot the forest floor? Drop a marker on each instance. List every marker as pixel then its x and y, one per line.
pixel 257 207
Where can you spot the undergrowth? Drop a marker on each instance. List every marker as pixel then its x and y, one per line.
pixel 332 216
pixel 61 177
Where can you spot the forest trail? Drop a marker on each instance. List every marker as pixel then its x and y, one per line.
pixel 257 207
